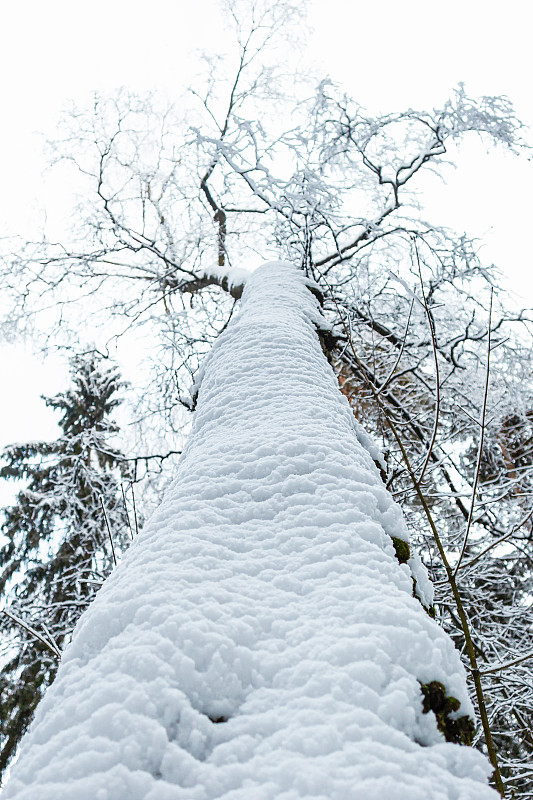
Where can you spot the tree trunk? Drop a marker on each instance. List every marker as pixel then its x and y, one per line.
pixel 265 636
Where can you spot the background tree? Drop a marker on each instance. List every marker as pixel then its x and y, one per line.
pixel 181 198
pixel 60 546
pixel 442 477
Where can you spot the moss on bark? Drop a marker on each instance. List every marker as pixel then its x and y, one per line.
pixel 459 730
pixel 402 549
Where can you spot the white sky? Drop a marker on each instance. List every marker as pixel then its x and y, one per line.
pixel 388 55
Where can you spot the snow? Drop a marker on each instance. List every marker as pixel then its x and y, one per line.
pixel 259 640
pixel 234 276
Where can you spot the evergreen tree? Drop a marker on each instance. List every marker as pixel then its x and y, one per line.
pixel 58 546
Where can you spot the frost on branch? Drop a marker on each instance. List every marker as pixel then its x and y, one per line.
pixel 260 638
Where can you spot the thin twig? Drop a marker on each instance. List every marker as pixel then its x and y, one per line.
pixel 108 530
pixel 437 374
pixel 498 541
pixel 508 664
pixel 481 442
pixel 400 354
pixel 126 509
pixel 50 645
pixel 134 510
pixel 50 637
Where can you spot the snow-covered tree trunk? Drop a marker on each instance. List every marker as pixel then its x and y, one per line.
pixel 262 638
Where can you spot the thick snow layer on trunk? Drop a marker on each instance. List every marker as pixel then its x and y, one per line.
pixel 260 640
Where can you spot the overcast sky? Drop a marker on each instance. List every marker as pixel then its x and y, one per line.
pixel 389 55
